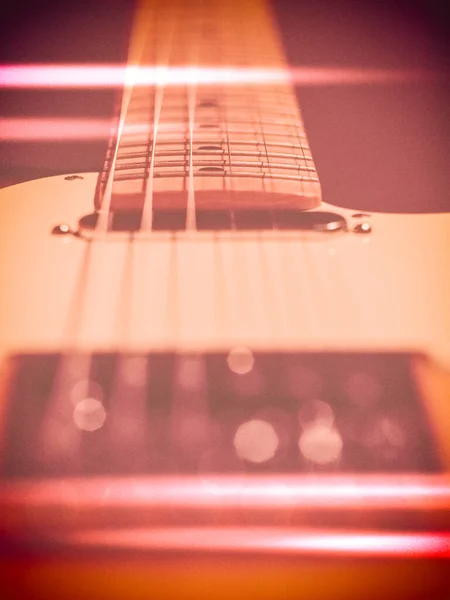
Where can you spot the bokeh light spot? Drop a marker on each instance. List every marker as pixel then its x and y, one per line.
pixel 320 444
pixel 256 441
pixel 240 360
pixel 89 414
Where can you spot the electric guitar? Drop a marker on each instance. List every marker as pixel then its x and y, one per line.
pixel 205 363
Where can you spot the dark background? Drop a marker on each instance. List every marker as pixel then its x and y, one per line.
pixel 381 147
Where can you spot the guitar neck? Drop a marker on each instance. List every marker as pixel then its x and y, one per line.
pixel 211 117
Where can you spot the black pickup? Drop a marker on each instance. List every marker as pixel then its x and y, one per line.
pixel 223 220
pixel 241 412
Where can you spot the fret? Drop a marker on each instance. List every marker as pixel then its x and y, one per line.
pixel 274 132
pixel 123 161
pixel 229 94
pixel 233 115
pixel 221 173
pixel 132 140
pixel 230 103
pixel 212 150
pixel 271 138
pixel 238 142
pixel 215 163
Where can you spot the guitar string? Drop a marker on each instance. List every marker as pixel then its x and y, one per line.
pixel 141 24
pixel 253 244
pixel 231 287
pixel 160 44
pixel 69 364
pixel 307 298
pixel 106 206
pixel 256 257
pixel 190 209
pixel 143 20
pixel 117 422
pixel 215 55
pixel 134 365
pixel 194 406
pixel 191 220
pixel 262 267
pixel 229 316
pixel 164 52
pixel 229 187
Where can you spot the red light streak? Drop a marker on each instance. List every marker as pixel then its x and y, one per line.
pixel 325 492
pixel 54 129
pixel 101 76
pixel 268 540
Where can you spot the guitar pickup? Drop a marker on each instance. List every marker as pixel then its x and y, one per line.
pixel 232 413
pixel 221 220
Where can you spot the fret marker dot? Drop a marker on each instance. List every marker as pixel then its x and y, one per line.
pixel 212 169
pixel 209 148
pixel 207 104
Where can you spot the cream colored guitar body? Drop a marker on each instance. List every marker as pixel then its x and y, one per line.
pixel 381 283
pixel 388 290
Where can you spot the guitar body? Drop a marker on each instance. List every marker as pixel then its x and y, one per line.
pixel 388 290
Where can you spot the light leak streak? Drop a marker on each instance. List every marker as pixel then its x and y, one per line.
pixel 269 540
pixel 101 76
pixel 54 129
pixel 326 492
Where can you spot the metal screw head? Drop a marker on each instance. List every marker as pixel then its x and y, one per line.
pixel 72 177
pixel 364 227
pixel 62 229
